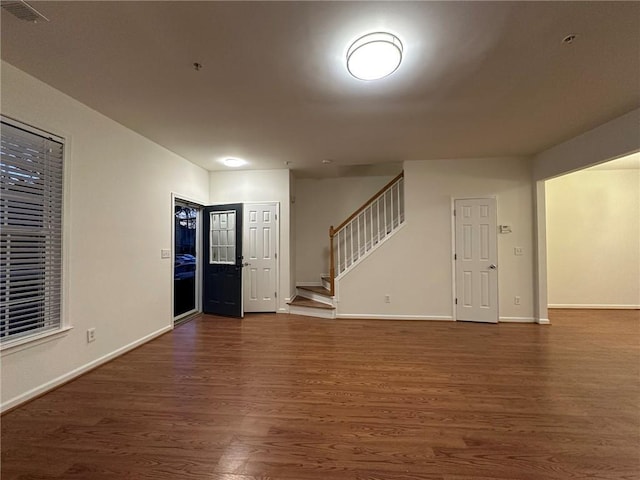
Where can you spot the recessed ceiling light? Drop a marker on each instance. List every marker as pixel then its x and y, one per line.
pixel 374 56
pixel 234 162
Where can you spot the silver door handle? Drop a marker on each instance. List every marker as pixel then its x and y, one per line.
pixel 493 266
pixel 246 264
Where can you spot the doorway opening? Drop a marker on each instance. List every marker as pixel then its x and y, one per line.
pixel 240 258
pixel 592 237
pixel 186 284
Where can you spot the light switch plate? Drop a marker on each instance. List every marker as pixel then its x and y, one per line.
pixel 518 251
pixel 165 253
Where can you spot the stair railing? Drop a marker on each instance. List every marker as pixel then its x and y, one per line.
pixel 365 228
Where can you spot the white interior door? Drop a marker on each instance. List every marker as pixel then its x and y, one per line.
pixel 476 260
pixel 260 257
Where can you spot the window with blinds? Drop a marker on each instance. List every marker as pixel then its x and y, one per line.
pixel 31 190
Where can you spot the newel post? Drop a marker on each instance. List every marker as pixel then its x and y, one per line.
pixel 332 267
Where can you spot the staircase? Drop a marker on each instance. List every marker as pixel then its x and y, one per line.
pixel 351 242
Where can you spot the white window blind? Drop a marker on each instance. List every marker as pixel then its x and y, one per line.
pixel 31 194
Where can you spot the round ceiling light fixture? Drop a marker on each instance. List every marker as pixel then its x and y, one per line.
pixel 234 162
pixel 374 56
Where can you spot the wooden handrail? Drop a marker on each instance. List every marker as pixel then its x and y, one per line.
pixel 333 231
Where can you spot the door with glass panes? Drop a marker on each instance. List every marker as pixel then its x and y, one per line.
pixel 222 260
pixel 185 262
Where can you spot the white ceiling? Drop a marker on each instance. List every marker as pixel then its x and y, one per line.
pixel 478 79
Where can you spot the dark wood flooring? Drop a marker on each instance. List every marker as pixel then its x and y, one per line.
pixel 295 398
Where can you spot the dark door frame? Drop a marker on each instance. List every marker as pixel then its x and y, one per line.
pixel 182 199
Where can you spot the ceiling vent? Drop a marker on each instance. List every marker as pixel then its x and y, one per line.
pixel 23 11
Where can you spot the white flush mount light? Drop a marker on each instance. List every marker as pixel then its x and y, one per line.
pixel 234 162
pixel 374 56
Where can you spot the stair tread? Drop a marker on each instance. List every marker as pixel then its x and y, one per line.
pixel 317 289
pixel 307 302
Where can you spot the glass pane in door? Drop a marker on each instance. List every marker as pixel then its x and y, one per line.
pixel 184 273
pixel 222 236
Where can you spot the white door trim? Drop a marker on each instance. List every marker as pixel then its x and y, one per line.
pixel 540 306
pixel 453 261
pixel 454 309
pixel 277 246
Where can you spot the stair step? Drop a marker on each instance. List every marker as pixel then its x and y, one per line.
pixel 299 301
pixel 317 289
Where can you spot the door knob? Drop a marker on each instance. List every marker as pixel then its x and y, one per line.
pixel 493 266
pixel 246 264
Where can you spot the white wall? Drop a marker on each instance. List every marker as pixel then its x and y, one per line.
pixel 593 239
pixel 118 217
pixel 242 186
pixel 414 267
pixel 321 203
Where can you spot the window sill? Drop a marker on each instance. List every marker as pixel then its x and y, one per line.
pixel 20 344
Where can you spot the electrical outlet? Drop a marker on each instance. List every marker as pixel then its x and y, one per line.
pixel 91 335
pixel 516 300
pixel 387 299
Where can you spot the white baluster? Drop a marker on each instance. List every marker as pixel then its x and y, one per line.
pixel 379 207
pixel 371 225
pixel 384 205
pixel 364 231
pixel 338 248
pixel 399 202
pixel 343 250
pixel 392 209
pixel 353 241
pixel 357 219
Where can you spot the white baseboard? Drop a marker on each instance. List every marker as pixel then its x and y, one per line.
pixel 285 307
pixel 517 320
pixel 543 321
pixel 597 306
pixel 375 316
pixel 45 387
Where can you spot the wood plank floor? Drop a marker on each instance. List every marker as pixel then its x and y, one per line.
pixel 295 398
